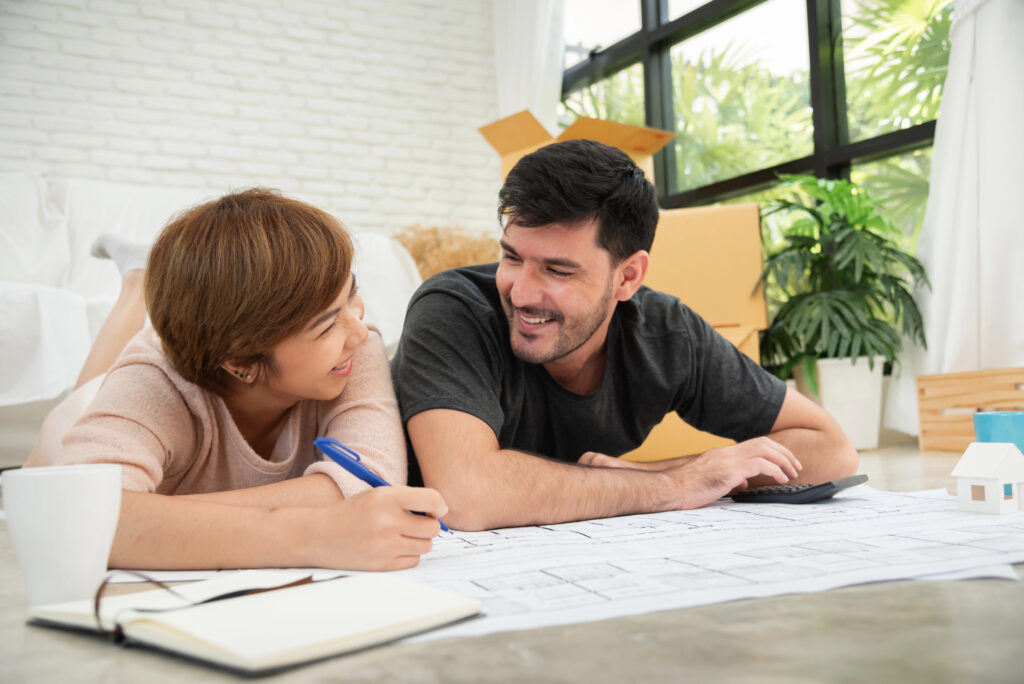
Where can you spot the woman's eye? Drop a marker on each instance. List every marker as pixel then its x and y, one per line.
pixel 328 329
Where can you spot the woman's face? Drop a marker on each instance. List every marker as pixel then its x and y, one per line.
pixel 316 362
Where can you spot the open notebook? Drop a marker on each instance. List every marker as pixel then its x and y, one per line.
pixel 273 629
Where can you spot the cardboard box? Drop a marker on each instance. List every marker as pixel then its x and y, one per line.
pixel 709 257
pixel 517 135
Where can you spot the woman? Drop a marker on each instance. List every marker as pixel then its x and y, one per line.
pixel 257 347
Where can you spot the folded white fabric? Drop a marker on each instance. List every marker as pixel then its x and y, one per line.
pixel 33 232
pixel 44 339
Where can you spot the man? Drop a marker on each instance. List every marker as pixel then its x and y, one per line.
pixel 519 383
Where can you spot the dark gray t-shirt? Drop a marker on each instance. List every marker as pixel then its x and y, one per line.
pixel 455 354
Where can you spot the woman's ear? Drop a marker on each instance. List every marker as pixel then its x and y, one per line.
pixel 239 371
pixel 630 274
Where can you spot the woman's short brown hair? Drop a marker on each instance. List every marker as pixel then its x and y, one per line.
pixel 231 279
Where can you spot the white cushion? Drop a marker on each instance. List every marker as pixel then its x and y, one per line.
pixel 387 277
pixel 33 233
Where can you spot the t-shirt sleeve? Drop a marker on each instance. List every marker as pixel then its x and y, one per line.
pixel 138 420
pixel 729 394
pixel 365 418
pixel 449 358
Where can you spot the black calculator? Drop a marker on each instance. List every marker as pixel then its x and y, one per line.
pixel 797 493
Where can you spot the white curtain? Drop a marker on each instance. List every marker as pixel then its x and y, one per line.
pixel 528 47
pixel 972 243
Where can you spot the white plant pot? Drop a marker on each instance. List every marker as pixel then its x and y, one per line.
pixel 852 394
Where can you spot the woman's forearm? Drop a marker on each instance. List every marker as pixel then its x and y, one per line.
pixel 178 532
pixel 311 490
pixel 373 530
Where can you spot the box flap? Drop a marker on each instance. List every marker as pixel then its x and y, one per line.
pixel 710 257
pixel 515 132
pixel 737 334
pixel 636 141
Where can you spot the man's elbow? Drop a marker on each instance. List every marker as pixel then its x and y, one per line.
pixel 466 511
pixel 845 460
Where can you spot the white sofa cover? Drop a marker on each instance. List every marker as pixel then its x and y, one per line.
pixel 54 295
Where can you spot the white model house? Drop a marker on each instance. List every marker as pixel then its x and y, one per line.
pixel 989 477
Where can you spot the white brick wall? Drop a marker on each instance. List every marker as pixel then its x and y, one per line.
pixel 366 108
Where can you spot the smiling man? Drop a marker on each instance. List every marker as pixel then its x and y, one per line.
pixel 520 383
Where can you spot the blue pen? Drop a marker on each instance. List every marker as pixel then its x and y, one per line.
pixel 350 461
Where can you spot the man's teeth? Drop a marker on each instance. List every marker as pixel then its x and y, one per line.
pixel 533 321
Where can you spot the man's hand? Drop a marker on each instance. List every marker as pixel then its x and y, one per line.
pixel 695 481
pixel 702 479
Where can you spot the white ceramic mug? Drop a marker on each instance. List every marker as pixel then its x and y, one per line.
pixel 62 520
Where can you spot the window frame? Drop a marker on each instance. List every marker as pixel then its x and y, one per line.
pixel 833 153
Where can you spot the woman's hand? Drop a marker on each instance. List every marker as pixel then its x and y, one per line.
pixel 375 529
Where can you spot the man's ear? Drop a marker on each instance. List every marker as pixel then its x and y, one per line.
pixel 630 274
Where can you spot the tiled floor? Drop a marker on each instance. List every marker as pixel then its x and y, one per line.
pixel 898 465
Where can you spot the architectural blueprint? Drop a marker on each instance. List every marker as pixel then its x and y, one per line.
pixel 575 572
pixel 596 569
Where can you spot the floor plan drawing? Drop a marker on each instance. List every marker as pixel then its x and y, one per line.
pixel 553 574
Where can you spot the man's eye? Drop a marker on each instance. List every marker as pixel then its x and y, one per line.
pixel 560 274
pixel 509 257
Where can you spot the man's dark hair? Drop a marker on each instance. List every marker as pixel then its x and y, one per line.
pixel 581 180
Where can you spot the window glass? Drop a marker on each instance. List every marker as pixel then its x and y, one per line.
pixel 620 97
pixel 677 8
pixel 741 94
pixel 596 24
pixel 895 57
pixel 900 184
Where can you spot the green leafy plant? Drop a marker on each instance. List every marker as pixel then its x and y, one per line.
pixel 845 283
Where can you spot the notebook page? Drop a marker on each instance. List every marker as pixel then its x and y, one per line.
pixel 304 622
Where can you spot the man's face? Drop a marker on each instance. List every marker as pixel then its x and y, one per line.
pixel 556 286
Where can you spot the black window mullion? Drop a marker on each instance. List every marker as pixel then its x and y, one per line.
pixel 828 92
pixel 658 105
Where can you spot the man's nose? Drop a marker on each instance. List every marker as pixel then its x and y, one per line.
pixel 526 289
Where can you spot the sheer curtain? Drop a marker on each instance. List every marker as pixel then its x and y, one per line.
pixel 528 57
pixel 972 242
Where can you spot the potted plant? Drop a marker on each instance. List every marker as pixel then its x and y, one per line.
pixel 844 289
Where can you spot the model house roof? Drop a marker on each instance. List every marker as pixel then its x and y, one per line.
pixel 1002 461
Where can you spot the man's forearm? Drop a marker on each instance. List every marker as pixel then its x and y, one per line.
pixel 510 489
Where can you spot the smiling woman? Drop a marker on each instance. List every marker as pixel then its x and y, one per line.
pixel 257 348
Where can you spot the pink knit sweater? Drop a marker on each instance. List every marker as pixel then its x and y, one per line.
pixel 173 437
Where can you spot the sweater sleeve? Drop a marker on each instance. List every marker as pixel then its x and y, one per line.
pixel 138 420
pixel 365 418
